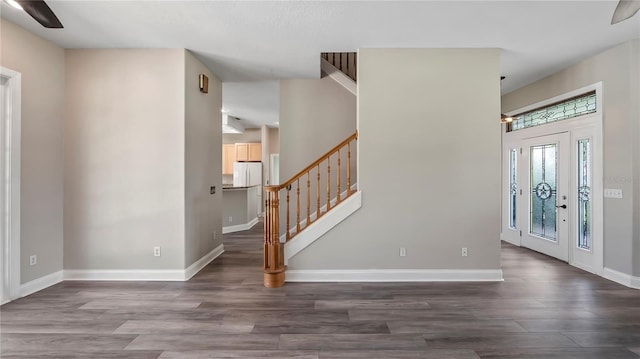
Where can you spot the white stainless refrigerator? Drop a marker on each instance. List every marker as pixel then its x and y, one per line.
pixel 246 174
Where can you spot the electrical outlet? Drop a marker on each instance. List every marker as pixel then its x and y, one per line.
pixel 612 193
pixel 403 252
pixel 33 260
pixel 213 235
pixel 464 251
pixel 156 251
pixel 230 219
pixel 212 190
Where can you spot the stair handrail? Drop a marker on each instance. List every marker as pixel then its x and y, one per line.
pixel 273 251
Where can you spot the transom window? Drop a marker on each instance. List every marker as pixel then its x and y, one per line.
pixel 573 107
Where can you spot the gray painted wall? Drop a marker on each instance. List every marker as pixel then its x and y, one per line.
pixel 315 115
pixel 274 140
pixel 124 170
pixel 41 64
pixel 429 164
pixel 617 68
pixel 235 205
pixel 203 162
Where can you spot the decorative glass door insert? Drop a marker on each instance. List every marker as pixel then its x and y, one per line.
pixel 546 164
pixel 543 201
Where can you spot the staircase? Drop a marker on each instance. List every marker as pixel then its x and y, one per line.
pixel 311 202
pixel 342 67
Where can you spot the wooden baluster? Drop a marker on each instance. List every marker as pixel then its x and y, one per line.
pixel 318 195
pixel 338 180
pixel 348 169
pixel 328 183
pixel 298 206
pixel 288 227
pixel 308 199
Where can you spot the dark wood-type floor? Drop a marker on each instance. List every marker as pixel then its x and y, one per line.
pixel 543 309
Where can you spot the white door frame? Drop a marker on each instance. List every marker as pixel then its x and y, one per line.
pixel 11 223
pixel 591 123
pixel 560 247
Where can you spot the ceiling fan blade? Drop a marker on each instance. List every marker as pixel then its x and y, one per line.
pixel 41 12
pixel 625 10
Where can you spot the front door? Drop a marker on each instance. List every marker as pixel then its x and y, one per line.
pixel 545 171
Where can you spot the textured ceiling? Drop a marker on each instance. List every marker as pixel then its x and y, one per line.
pixel 243 41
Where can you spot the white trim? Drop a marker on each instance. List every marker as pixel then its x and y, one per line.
pixel 240 227
pixel 41 283
pixel 203 262
pixel 618 277
pixel 12 249
pixel 47 281
pixel 162 275
pixel 322 225
pixel 338 76
pixel 396 275
pixel 168 275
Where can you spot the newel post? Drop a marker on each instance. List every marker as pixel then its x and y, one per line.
pixel 273 256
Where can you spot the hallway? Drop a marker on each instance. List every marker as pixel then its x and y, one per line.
pixel 543 309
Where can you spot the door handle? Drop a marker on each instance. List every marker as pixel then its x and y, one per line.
pixel 563 206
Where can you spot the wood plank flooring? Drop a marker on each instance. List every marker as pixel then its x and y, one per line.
pixel 543 309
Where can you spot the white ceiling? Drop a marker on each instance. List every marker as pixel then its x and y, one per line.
pixel 243 41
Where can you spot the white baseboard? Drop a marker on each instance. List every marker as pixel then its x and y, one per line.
pixel 240 227
pixel 41 283
pixel 202 262
pixel 160 275
pixel 331 219
pixel 622 278
pixel 395 275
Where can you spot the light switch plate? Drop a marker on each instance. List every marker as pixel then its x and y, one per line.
pixel 612 193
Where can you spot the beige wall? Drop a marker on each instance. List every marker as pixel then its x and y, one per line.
pixel 617 68
pixel 124 170
pixel 429 164
pixel 270 145
pixel 315 115
pixel 203 162
pixel 41 64
pixel 274 140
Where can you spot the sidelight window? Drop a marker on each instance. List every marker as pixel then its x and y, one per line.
pixel 584 194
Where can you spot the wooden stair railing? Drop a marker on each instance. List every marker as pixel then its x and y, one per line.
pixel 274 267
pixel 343 61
